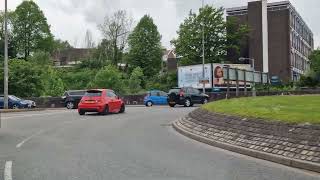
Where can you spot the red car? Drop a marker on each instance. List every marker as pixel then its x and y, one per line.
pixel 103 101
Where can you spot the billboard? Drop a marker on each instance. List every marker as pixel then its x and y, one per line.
pixel 190 76
pixel 220 72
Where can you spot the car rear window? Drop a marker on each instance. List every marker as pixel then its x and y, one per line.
pixel 174 90
pixel 77 93
pixel 93 93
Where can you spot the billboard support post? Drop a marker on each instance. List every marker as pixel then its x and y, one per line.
pixel 237 83
pixel 245 82
pixel 228 83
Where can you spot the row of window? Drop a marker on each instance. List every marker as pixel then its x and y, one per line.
pixel 299 26
pixel 298 44
pixel 299 62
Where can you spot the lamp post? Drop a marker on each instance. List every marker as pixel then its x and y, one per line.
pixel 203 74
pixel 254 94
pixel 5 89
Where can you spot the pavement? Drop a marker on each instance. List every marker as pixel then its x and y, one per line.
pixel 139 144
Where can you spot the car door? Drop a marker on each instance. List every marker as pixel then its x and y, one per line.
pixel 1 102
pixel 195 95
pixel 111 101
pixel 154 96
pixel 163 98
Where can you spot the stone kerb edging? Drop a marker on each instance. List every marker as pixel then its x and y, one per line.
pixel 292 145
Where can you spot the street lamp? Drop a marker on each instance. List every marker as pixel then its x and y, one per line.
pixel 5 89
pixel 204 85
pixel 254 94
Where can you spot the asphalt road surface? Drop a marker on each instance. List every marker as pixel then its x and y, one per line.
pixel 140 144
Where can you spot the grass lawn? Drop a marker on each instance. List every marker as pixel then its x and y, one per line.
pixel 291 109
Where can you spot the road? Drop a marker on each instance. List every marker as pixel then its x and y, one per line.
pixel 140 144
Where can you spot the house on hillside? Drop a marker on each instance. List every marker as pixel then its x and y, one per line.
pixel 169 60
pixel 70 57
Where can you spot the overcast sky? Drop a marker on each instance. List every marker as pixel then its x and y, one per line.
pixel 70 19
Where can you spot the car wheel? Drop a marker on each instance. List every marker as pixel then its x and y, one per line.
pixel 205 101
pixel 70 105
pixel 122 109
pixel 149 103
pixel 106 110
pixel 172 105
pixel 187 103
pixel 15 106
pixel 81 112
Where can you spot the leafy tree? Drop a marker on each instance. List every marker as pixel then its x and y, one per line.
pixel 41 58
pixel 312 78
pixel 145 47
pixel 108 77
pixel 31 31
pixel 115 29
pixel 163 81
pixel 60 45
pixel 24 79
pixel 52 83
pixel 236 34
pixel 12 52
pixel 189 42
pixel 74 79
pixel 315 61
pixel 135 80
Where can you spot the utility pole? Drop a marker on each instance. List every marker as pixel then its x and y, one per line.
pixel 203 75
pixel 6 56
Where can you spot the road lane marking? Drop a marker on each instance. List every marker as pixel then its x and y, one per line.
pixel 8 170
pixel 31 115
pixel 28 138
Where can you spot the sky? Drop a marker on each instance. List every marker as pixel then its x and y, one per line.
pixel 70 19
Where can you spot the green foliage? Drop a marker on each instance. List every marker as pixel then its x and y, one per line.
pixel 31 31
pixel 60 45
pixel 312 78
pixel 145 47
pixel 108 77
pixel 189 42
pixel 52 83
pixel 135 80
pixel 163 82
pixel 12 52
pixel 24 79
pixel 41 58
pixel 76 79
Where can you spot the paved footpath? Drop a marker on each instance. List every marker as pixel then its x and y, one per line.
pixel 140 144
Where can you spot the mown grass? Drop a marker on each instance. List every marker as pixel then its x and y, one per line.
pixel 291 109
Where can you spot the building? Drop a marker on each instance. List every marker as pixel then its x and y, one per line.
pixel 279 41
pixel 169 60
pixel 70 57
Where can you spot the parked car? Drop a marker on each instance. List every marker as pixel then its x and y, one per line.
pixel 186 96
pixel 17 103
pixel 72 98
pixel 155 97
pixel 103 101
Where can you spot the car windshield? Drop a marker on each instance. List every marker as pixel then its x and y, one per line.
pixel 93 93
pixel 14 98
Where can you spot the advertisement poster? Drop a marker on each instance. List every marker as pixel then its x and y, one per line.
pixel 190 76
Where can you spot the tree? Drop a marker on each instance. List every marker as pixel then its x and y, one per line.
pixel 31 31
pixel 52 83
pixel 11 45
pixel 315 61
pixel 115 29
pixel 312 78
pixel 60 45
pixel 145 47
pixel 135 80
pixel 189 42
pixel 41 58
pixel 108 77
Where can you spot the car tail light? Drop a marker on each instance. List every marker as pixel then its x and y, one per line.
pixel 98 101
pixel 181 93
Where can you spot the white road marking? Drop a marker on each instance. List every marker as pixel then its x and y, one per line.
pixel 28 138
pixel 31 115
pixel 8 171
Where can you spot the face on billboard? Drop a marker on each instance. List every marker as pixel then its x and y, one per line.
pixel 218 75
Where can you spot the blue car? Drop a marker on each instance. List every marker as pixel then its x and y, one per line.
pixel 16 103
pixel 155 97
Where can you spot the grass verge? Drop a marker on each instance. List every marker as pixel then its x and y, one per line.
pixel 290 109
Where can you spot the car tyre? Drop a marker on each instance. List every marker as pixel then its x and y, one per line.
pixel 70 105
pixel 105 110
pixel 122 109
pixel 205 101
pixel 172 105
pixel 15 106
pixel 81 112
pixel 187 103
pixel 149 104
